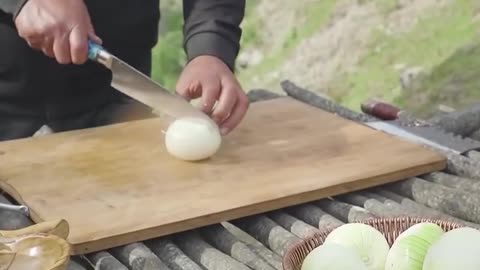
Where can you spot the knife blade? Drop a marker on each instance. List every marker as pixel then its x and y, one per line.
pixel 137 85
pixel 428 135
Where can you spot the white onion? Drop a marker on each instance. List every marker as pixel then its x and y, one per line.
pixel 192 138
pixel 333 257
pixel 365 240
pixel 409 249
pixel 426 230
pixel 456 249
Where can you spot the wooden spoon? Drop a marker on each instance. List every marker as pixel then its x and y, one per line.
pixel 6 260
pixel 59 228
pixel 35 252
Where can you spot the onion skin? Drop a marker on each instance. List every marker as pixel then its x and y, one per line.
pixel 411 246
pixel 333 257
pixel 456 249
pixel 426 230
pixel 368 242
pixel 407 253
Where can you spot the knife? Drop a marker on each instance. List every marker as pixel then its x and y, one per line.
pixel 137 85
pixel 428 135
pixel 16 208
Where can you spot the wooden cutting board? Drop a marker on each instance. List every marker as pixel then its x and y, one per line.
pixel 117 184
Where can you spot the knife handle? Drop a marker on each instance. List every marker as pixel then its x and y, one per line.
pixel 98 54
pixel 381 110
pixel 93 50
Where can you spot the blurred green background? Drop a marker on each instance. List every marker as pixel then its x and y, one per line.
pixel 418 54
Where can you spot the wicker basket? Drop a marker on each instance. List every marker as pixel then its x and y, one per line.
pixel 390 227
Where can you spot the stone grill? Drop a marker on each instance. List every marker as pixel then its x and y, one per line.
pixel 258 242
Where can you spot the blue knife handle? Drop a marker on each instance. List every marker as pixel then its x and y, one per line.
pixel 93 50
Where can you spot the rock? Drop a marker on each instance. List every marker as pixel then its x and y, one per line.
pixel 249 58
pixel 261 94
pixel 44 130
pixel 462 122
pixel 476 18
pixel 399 67
pixel 411 75
pixel 444 108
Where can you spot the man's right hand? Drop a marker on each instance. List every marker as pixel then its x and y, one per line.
pixel 60 28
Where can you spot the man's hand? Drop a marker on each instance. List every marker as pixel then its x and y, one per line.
pixel 60 28
pixel 221 95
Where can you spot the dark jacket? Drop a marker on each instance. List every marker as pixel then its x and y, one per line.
pixel 36 90
pixel 211 27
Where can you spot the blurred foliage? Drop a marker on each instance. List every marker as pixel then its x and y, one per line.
pixel 168 55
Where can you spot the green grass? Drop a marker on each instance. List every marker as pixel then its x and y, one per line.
pixel 455 82
pixel 434 38
pixel 168 55
pixel 250 26
pixel 433 44
pixel 315 15
pixel 385 6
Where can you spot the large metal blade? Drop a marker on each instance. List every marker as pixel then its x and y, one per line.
pixel 396 131
pixel 137 85
pixel 131 82
pixel 448 139
pixel 427 135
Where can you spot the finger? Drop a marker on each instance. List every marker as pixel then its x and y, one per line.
pixel 78 45
pixel 210 92
pixel 191 91
pixel 239 110
pixel 226 102
pixel 48 51
pixel 24 25
pixel 47 47
pixel 35 44
pixel 61 49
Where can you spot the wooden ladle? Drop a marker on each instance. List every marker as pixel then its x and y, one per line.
pixel 41 246
pixel 59 228
pixel 6 260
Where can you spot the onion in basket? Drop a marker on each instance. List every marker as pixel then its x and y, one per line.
pixel 427 230
pixel 333 257
pixel 456 249
pixel 409 249
pixel 369 243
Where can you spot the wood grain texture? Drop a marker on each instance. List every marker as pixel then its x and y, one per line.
pixel 117 184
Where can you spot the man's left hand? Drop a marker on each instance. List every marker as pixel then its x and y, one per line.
pixel 221 94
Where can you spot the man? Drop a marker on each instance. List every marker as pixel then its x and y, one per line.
pixel 46 78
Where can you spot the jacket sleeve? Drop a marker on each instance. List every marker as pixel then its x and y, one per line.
pixel 212 27
pixel 12 7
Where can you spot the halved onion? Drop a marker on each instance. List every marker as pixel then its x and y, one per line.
pixel 369 243
pixel 456 249
pixel 333 257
